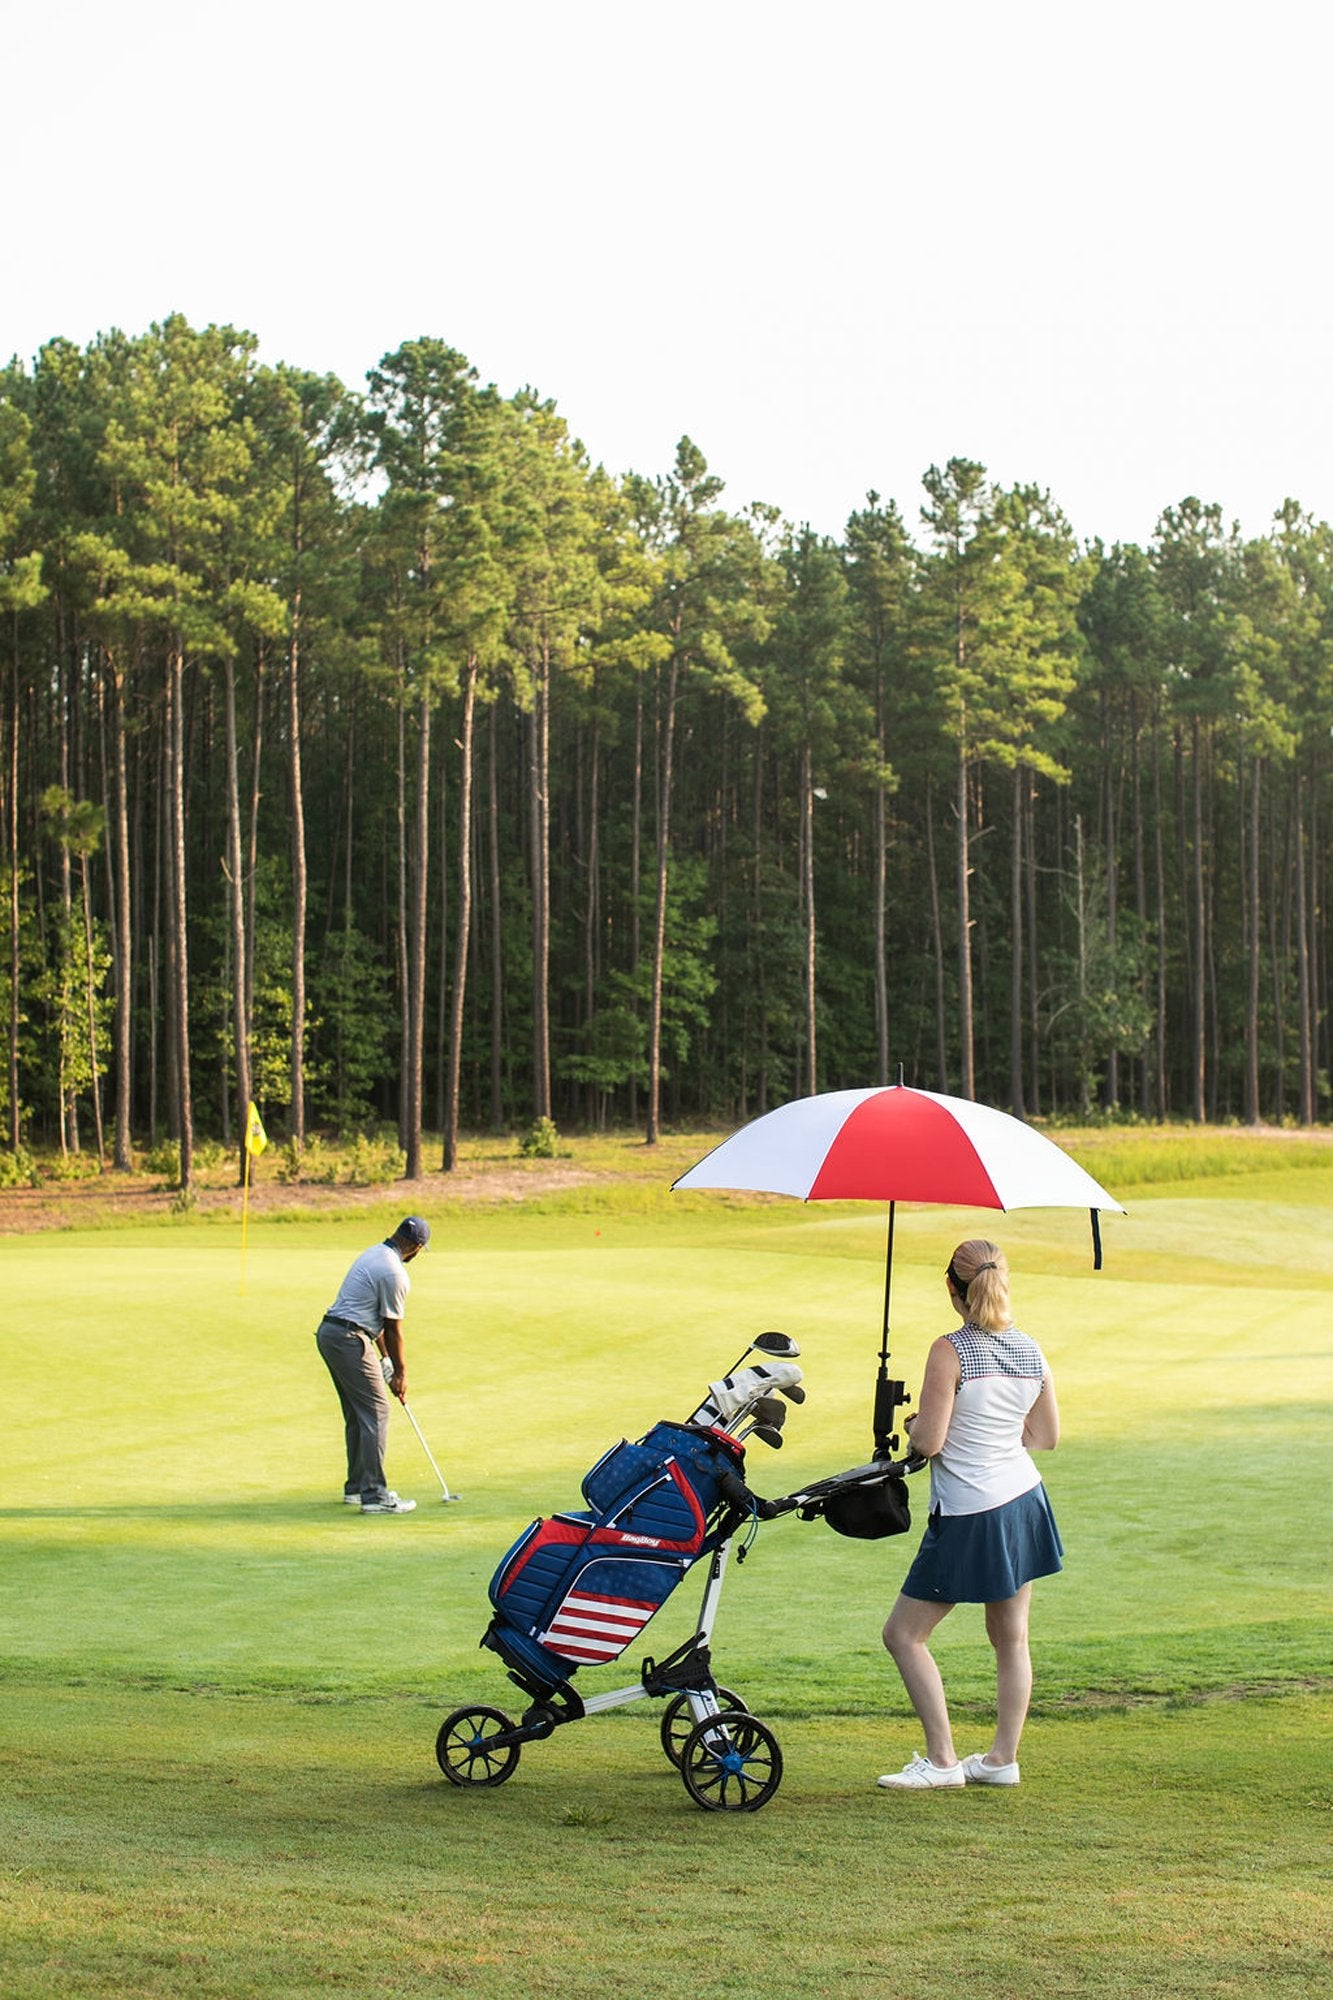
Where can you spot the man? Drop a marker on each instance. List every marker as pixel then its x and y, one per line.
pixel 364 1322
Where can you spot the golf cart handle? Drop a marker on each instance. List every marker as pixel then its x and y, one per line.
pixel 742 1501
pixel 815 1496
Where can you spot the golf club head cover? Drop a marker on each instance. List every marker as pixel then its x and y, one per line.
pixel 735 1395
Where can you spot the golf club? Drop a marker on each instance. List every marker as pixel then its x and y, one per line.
pixel 444 1490
pixel 387 1367
pixel 769 1410
pixel 769 1343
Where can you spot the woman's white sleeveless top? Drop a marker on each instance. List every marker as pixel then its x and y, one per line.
pixel 983 1462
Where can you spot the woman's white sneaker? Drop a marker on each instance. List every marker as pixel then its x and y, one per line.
pixel 921 1775
pixel 978 1772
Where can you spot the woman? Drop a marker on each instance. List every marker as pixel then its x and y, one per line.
pixel 987 1400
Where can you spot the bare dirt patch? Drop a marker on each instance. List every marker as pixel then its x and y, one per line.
pixel 106 1199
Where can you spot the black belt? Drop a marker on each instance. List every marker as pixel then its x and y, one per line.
pixel 331 1319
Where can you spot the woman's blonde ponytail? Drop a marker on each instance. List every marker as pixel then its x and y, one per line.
pixel 981 1274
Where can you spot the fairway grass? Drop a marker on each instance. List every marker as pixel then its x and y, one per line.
pixel 221 1688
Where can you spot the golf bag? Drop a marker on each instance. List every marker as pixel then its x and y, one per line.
pixel 576 1589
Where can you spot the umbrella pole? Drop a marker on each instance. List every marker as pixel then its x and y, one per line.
pixel 890 1395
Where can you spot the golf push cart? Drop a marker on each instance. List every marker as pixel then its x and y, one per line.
pixel 576 1589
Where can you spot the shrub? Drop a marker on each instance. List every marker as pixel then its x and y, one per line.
pixel 312 1163
pixel 318 1164
pixel 373 1162
pixel 541 1141
pixel 18 1169
pixel 164 1159
pixel 71 1167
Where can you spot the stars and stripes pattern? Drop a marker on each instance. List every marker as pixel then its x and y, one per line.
pixel 592 1627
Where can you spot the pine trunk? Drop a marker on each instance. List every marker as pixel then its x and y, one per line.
pixel 236 912
pixel 124 955
pixel 653 1130
pixel 1251 999
pixel 497 936
pixel 539 776
pixel 15 956
pixel 966 1050
pixel 808 910
pixel 1200 1014
pixel 178 929
pixel 416 1010
pixel 1016 1098
pixel 300 885
pixel 450 1158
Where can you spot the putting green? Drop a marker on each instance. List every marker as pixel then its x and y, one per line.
pixel 175 1490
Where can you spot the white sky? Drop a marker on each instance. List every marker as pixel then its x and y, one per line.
pixel 834 242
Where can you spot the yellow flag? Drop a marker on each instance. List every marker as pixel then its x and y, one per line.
pixel 256 1138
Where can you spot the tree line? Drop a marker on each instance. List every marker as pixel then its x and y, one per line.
pixel 377 757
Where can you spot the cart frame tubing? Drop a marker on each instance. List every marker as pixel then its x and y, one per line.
pixel 702 1700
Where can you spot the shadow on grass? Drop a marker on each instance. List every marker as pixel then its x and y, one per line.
pixel 295 1511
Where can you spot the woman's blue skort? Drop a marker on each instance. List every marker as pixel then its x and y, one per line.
pixel 983 1558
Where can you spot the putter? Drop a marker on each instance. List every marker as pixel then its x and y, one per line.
pixel 445 1493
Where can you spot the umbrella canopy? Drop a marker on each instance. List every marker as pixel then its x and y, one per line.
pixel 897 1144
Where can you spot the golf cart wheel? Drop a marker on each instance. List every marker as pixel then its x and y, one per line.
pixel 465 1747
pixel 678 1720
pixel 731 1763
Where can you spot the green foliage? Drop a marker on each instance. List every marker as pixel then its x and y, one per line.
pixel 373 1162
pixel 312 1162
pixel 164 1160
pixel 352 1029
pixel 68 1167
pixel 69 1006
pixel 18 1168
pixel 361 1161
pixel 613 1047
pixel 541 1141
pixel 906 727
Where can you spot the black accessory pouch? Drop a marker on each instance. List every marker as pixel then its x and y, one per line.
pixel 868 1513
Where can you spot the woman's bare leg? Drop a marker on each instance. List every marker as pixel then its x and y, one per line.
pixel 909 1626
pixel 1007 1630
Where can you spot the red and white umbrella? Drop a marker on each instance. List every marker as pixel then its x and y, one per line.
pixel 897 1144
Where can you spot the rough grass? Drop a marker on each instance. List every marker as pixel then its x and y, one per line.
pixel 171 1843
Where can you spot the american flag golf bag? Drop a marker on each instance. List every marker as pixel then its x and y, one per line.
pixel 576 1589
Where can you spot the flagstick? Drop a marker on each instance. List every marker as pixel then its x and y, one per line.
pixel 245 1210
